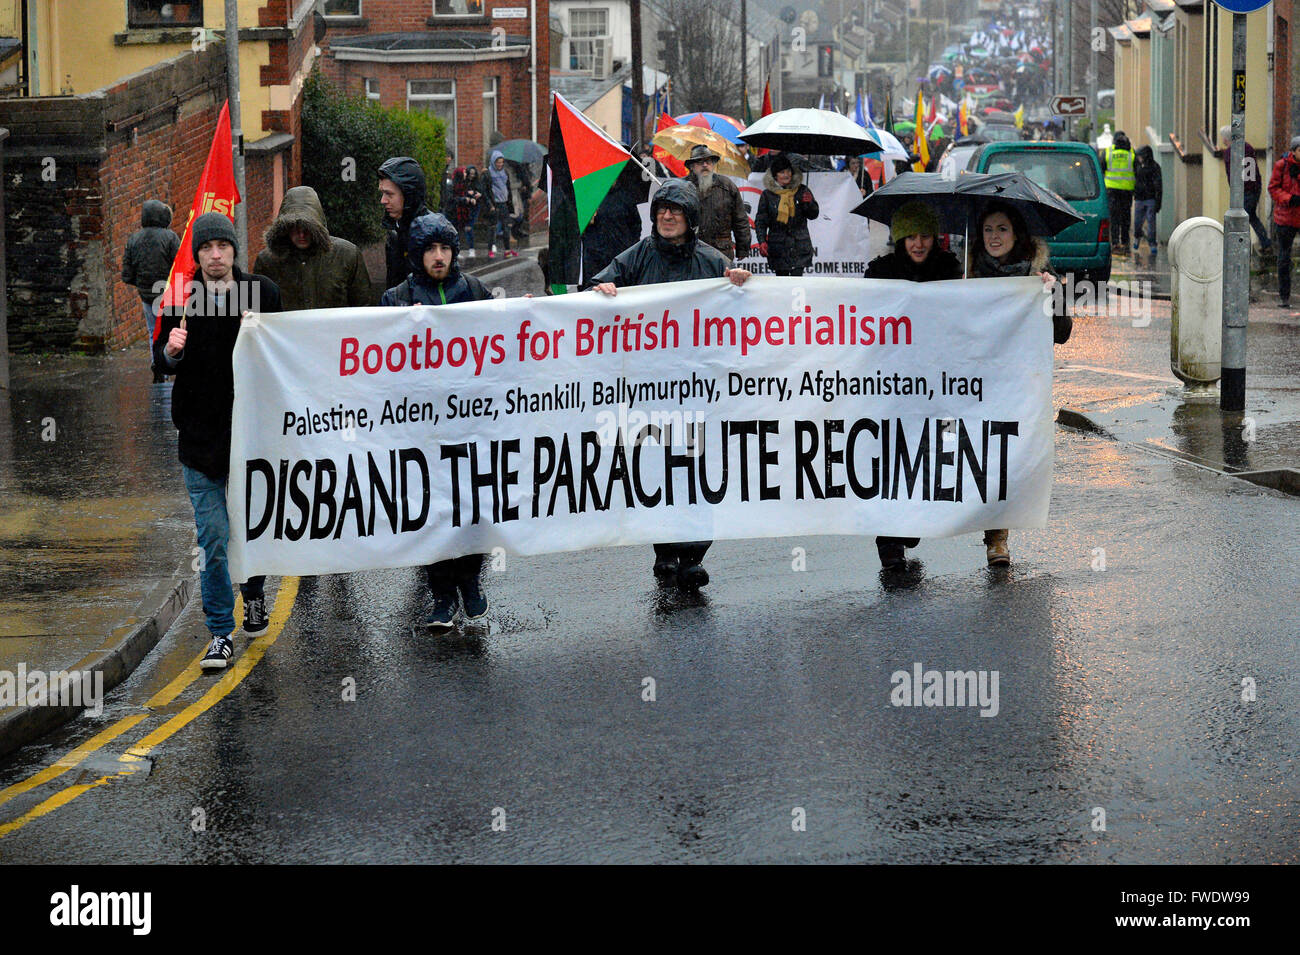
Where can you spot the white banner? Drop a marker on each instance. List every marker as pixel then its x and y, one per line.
pixel 843 243
pixel 391 437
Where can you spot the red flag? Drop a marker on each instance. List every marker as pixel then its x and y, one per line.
pixel 665 158
pixel 933 114
pixel 767 108
pixel 216 193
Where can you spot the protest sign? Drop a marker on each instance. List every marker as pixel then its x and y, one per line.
pixel 389 437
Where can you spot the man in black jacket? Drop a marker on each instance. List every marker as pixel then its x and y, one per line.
pixel 148 258
pixel 671 253
pixel 402 193
pixel 196 342
pixel 436 279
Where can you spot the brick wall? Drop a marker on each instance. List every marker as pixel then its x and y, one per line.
pixel 78 169
pixel 514 113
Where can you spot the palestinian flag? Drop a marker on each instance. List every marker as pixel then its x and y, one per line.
pixel 889 113
pixel 583 163
pixel 745 113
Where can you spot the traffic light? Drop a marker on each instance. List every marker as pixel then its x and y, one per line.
pixel 825 60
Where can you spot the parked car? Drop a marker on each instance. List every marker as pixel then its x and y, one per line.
pixel 1000 132
pixel 1073 172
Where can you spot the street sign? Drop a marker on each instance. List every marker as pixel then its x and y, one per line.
pixel 1241 6
pixel 1069 105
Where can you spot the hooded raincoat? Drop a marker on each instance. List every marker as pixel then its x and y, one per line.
pixel 654 259
pixel 330 273
pixel 150 250
pixel 407 175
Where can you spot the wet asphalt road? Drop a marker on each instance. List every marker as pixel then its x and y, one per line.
pixel 1120 690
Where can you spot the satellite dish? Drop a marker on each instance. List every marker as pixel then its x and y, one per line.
pixel 788 15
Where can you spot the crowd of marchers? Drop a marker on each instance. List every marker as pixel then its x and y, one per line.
pixel 695 230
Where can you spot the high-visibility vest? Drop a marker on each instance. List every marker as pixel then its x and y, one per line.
pixel 1119 169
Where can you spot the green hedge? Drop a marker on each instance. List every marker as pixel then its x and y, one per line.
pixel 344 140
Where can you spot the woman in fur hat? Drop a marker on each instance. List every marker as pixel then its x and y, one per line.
pixel 781 222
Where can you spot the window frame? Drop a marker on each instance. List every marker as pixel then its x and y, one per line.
pixel 467 12
pixel 336 16
pixel 453 140
pixel 135 7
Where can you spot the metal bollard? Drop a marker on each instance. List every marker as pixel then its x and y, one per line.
pixel 1196 293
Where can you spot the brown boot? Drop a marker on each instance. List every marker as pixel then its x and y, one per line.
pixel 995 548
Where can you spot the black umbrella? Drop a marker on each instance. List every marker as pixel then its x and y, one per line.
pixel 958 202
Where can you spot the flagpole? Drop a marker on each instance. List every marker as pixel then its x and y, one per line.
pixel 236 128
pixel 657 180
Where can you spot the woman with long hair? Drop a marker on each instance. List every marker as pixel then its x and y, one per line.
pixel 1003 248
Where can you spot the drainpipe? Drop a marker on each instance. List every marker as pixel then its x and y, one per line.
pixel 532 19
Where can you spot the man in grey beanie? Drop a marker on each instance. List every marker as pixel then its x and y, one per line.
pixel 196 343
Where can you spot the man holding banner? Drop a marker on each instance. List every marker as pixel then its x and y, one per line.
pixel 195 343
pixel 436 279
pixel 672 253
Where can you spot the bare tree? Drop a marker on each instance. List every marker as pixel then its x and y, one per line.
pixel 703 56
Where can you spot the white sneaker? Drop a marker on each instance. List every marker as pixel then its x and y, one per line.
pixel 469 253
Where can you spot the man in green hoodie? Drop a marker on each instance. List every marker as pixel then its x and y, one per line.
pixel 312 268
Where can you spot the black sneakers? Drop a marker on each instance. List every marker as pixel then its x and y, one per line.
pixel 666 567
pixel 692 576
pixel 219 653
pixel 255 618
pixel 474 602
pixel 442 612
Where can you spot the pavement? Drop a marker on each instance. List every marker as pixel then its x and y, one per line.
pixel 98 537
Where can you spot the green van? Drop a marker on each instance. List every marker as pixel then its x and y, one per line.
pixel 1073 172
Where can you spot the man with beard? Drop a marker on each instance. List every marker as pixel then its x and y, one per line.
pixel 722 211
pixel 196 343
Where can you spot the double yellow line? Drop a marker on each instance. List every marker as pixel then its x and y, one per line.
pixel 233 676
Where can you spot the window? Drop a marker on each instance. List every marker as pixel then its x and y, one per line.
pixel 156 14
pixel 1065 173
pixel 342 8
pixel 489 107
pixel 458 8
pixel 439 98
pixel 588 37
pixel 372 88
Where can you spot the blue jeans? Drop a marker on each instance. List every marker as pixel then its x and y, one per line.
pixel 1144 211
pixel 148 323
pixel 208 498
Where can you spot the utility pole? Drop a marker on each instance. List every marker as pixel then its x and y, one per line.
pixel 906 44
pixel 744 52
pixel 1092 72
pixel 1236 240
pixel 236 128
pixel 1069 64
pixel 638 80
